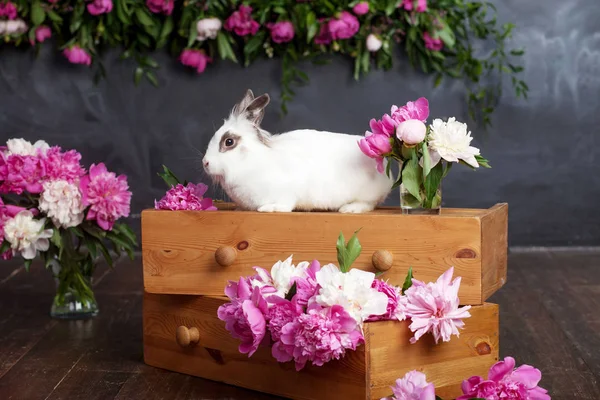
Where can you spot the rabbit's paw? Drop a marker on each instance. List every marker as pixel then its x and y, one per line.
pixel 356 208
pixel 275 208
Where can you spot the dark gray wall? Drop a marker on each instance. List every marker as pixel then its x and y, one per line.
pixel 544 151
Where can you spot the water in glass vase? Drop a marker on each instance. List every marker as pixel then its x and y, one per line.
pixel 411 205
pixel 74 297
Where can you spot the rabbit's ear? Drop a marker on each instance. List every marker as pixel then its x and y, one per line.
pixel 256 109
pixel 240 107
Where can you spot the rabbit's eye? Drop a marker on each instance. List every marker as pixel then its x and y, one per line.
pixel 229 142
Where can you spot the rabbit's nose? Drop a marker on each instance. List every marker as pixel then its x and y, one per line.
pixel 205 163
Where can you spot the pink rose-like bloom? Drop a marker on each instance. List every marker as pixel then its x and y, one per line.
pixel 77 55
pixel 411 132
pixel 385 126
pixel 107 195
pixel 324 36
pixel 375 146
pixel 61 165
pixel 280 314
pixel 307 287
pixel 281 32
pixel 396 308
pixel 432 43
pixel 506 382
pixel 160 6
pixel 8 10
pixel 97 7
pixel 42 33
pixel 418 109
pixel 241 22
pixel 23 173
pixel 319 336
pixel 433 307
pixel 361 8
pixel 195 59
pixel 413 386
pixel 343 27
pixel 244 315
pixel 187 197
pixel 409 5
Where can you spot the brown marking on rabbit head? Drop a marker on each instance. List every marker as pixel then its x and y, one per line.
pixel 229 141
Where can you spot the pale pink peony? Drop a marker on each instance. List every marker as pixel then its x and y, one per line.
pixel 433 307
pixel 280 313
pixel 186 198
pixel 324 36
pixel 8 10
pixel 411 132
pixel 42 33
pixel 418 109
pixel 413 386
pixel 244 315
pixel 106 194
pixel 506 382
pixel 375 146
pixel 195 58
pixel 396 307
pixel 431 43
pixel 361 8
pixel 409 5
pixel 160 6
pixel 61 165
pixel 319 336
pixel 97 7
pixel 7 211
pixel 77 55
pixel 241 22
pixel 281 32
pixel 343 27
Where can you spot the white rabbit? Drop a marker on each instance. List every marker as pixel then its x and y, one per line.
pixel 298 170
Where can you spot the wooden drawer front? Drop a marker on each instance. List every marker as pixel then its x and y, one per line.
pixel 364 374
pixel 179 246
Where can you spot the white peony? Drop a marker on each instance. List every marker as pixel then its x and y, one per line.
pixel 351 290
pixel 281 276
pixel 373 43
pixel 22 147
pixel 61 201
pixel 26 234
pixel 208 28
pixel 11 27
pixel 451 141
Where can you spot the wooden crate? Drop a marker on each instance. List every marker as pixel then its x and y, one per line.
pixel 179 246
pixel 366 373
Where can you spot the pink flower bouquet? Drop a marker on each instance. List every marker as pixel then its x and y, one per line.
pixel 52 207
pixel 183 195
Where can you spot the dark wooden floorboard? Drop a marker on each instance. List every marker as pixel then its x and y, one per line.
pixel 549 317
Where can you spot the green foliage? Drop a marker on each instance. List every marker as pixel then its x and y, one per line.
pixel 407 281
pixel 347 253
pixel 169 177
pixel 460 24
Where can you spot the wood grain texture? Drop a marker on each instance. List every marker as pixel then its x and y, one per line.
pixel 179 246
pixel 387 354
pixel 494 244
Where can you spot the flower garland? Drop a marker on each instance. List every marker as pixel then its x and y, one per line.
pixel 438 36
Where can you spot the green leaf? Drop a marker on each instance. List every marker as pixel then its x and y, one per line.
pixel 411 177
pixel 438 80
pixel 292 292
pixel 127 232
pixel 106 254
pixel 90 243
pixel 137 76
pixel 56 238
pixel 432 182
pixel 118 241
pixel 254 44
pixel 353 250
pixel 144 17
pixel 439 398
pixel 122 12
pixel 5 246
pixel 193 34
pixel 447 36
pixel 76 232
pixel 225 50
pixel 167 28
pixel 27 264
pixel 38 15
pixel 312 26
pixel 93 231
pixel 151 76
pixel 426 159
pixel 447 169
pixel 408 280
pixel 482 162
pixel 54 17
pixel 169 177
pixel 341 251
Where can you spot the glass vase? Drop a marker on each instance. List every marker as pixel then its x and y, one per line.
pixel 411 205
pixel 74 299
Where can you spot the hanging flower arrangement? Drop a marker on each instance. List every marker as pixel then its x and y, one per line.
pixel 437 36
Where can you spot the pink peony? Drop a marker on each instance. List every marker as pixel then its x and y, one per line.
pixel 319 336
pixel 195 59
pixel 411 132
pixel 396 307
pixel 375 146
pixel 241 22
pixel 244 315
pixel 8 10
pixel 107 195
pixel 77 55
pixel 506 382
pixel 186 198
pixel 409 5
pixel 61 165
pixel 431 43
pixel 282 32
pixel 42 33
pixel 385 126
pixel 324 36
pixel 280 314
pixel 307 286
pixel 160 6
pixel 97 7
pixel 361 8
pixel 418 109
pixel 343 27
pixel 413 386
pixel 433 307
pixel 22 173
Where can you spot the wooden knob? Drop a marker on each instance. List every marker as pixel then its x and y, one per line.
pixel 382 260
pixel 186 336
pixel 225 256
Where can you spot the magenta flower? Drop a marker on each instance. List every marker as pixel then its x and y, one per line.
pixel 418 109
pixel 385 126
pixel 186 198
pixel 244 315
pixel 361 8
pixel 413 386
pixel 324 36
pixel 195 59
pixel 396 308
pixel 281 313
pixel 319 336
pixel 343 27
pixel 431 43
pixel 22 173
pixel 506 382
pixel 42 33
pixel 375 146
pixel 409 5
pixel 8 10
pixel 77 55
pixel 97 7
pixel 281 32
pixel 241 22
pixel 107 195
pixel 307 286
pixel 160 6
pixel 433 307
pixel 63 165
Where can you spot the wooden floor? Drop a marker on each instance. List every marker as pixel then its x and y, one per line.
pixel 550 317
